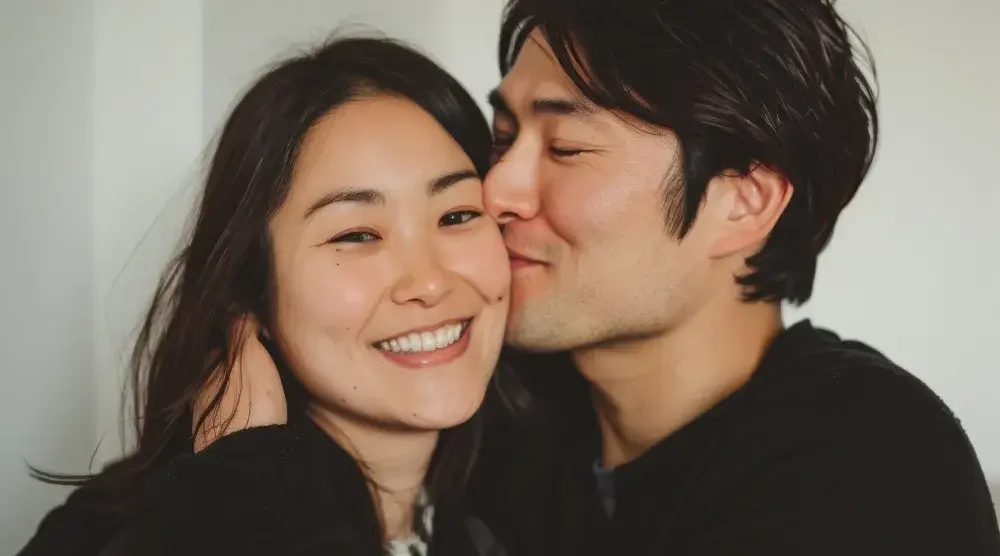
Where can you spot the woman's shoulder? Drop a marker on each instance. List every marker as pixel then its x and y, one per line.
pixel 261 481
pixel 92 514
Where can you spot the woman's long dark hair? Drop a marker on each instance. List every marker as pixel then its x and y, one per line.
pixel 223 270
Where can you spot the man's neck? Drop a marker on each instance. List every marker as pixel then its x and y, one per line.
pixel 395 462
pixel 645 390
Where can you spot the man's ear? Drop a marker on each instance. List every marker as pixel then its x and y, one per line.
pixel 746 208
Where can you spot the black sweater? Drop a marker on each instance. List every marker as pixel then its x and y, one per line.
pixel 266 491
pixel 829 450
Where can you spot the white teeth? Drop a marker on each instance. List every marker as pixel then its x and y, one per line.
pixel 424 341
pixel 428 341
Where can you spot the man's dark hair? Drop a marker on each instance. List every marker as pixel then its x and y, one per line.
pixel 741 83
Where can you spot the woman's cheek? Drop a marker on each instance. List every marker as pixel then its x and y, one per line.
pixel 481 259
pixel 339 296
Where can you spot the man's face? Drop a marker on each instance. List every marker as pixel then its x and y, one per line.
pixel 580 192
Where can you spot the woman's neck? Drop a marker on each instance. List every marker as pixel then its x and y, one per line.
pixel 395 461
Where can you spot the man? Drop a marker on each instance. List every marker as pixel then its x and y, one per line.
pixel 666 174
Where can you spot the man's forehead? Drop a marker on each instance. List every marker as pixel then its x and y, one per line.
pixel 536 74
pixel 536 79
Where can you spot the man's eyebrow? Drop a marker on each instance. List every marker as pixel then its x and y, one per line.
pixel 544 106
pixel 375 197
pixel 561 107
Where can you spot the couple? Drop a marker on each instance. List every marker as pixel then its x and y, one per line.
pixel 321 373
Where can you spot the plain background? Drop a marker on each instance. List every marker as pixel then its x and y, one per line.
pixel 107 108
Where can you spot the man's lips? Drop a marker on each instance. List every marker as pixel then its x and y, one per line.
pixel 518 260
pixel 517 263
pixel 515 253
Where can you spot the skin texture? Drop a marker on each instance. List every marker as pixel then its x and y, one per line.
pixel 581 194
pixel 383 232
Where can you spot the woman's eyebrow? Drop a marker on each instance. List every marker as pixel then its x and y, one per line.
pixel 349 195
pixel 375 197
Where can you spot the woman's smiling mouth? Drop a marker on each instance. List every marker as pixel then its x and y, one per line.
pixel 437 346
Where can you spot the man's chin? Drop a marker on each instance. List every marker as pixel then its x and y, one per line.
pixel 535 347
pixel 536 339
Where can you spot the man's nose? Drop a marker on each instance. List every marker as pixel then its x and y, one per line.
pixel 511 189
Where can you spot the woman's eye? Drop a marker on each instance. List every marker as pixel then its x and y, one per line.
pixel 459 217
pixel 355 237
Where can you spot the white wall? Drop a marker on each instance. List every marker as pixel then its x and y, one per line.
pixel 101 127
pixel 458 34
pixel 46 380
pixel 147 140
pixel 107 105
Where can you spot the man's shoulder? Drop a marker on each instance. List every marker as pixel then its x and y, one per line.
pixel 852 382
pixel 847 445
pixel 835 394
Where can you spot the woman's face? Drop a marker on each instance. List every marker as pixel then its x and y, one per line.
pixel 391 280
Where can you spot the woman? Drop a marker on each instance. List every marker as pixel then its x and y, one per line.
pixel 343 213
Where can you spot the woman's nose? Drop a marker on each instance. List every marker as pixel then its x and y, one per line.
pixel 423 280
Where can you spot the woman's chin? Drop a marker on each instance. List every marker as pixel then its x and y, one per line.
pixel 441 416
